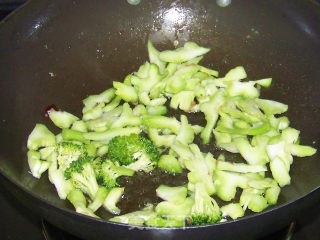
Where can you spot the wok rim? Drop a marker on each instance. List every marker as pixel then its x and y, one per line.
pixel 73 213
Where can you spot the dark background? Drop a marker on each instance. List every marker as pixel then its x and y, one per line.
pixel 16 222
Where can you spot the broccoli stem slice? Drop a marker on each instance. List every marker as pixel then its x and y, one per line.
pixel 172 194
pixel 62 119
pixel 79 202
pixel 175 211
pixel 189 51
pixel 136 217
pixel 170 164
pixel 99 199
pixel 153 121
pixel 37 166
pixel 93 100
pixel 154 57
pixel 112 199
pixel 160 140
pixel 126 92
pixel 210 110
pixel 163 222
pixel 107 135
pixel 40 137
pixel 73 135
pixel 233 210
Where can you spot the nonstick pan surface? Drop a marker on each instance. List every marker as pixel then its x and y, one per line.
pixel 58 52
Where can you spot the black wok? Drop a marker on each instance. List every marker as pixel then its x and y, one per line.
pixel 60 51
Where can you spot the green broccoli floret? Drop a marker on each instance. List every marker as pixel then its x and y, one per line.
pixel 82 176
pixel 134 151
pixel 205 209
pixel 69 152
pixel 110 171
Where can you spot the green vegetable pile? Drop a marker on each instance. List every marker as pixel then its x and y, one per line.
pixel 127 129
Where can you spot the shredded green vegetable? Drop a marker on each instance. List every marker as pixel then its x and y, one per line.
pixel 126 129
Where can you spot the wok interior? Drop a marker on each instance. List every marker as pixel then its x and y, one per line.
pixel 58 52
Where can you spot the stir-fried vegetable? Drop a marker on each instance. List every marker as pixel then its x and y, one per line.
pixel 127 128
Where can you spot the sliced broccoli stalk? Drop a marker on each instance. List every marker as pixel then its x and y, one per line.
pixel 142 162
pixel 245 89
pixel 46 152
pixel 235 74
pixel 143 71
pixel 157 110
pixel 266 82
pixel 301 150
pixel 154 57
pixel 127 118
pixel 99 199
pixel 175 211
pixel 73 135
pixel 146 83
pixel 225 141
pixel 186 133
pixel 209 71
pixel 153 121
pixel 280 172
pixel 139 110
pixel 79 202
pixel 136 217
pixel 189 51
pixel 195 177
pixel 163 222
pixel 112 105
pixel 191 85
pixel 94 113
pixel 277 148
pixel 145 99
pixel 182 150
pixel 233 210
pixel 210 110
pixel 252 199
pixel 196 129
pixel 254 155
pixel 250 108
pixel 112 199
pixel 172 194
pixel 160 140
pixel 105 121
pixel 102 150
pixel 126 92
pixel 37 166
pixel 69 152
pixel 272 194
pixel 279 123
pixel 256 129
pixel 232 106
pixel 62 119
pixel 107 135
pixel 111 171
pixel 184 100
pixel 226 184
pixel 270 107
pixel 263 183
pixel 56 177
pixel 93 100
pixel 240 167
pixel 80 126
pixel 195 60
pixel 83 176
pixel 40 137
pixel 91 149
pixel 158 89
pixel 205 209
pixel 178 81
pixel 170 164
